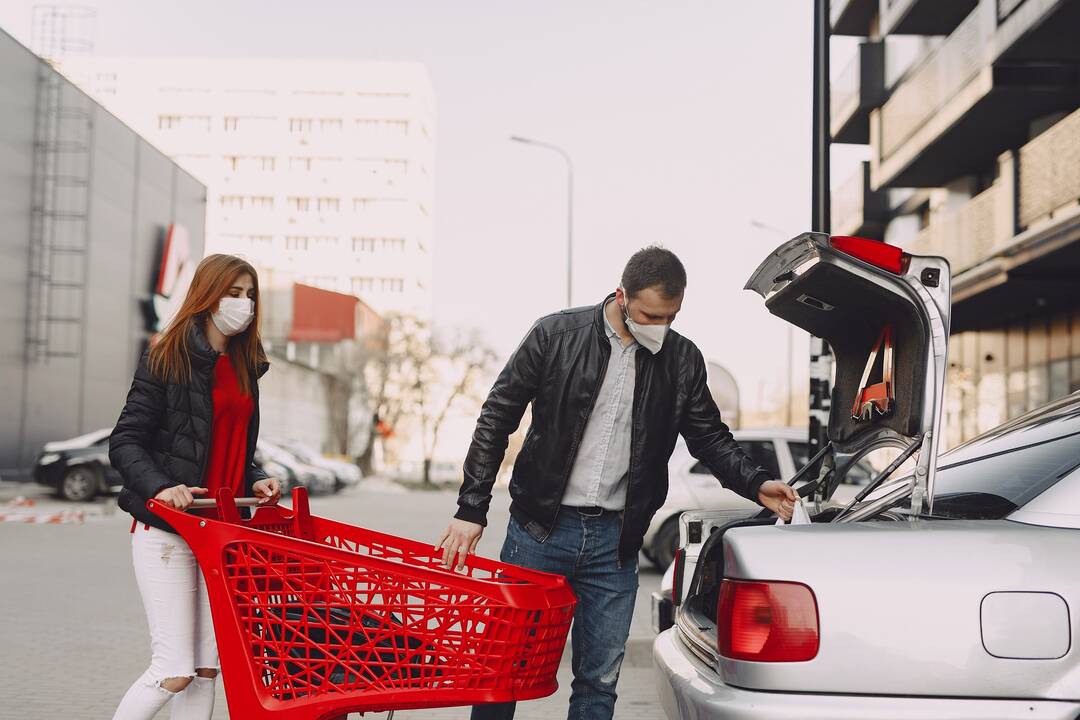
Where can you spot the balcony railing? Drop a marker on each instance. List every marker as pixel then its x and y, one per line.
pixel 930 86
pixel 967 235
pixel 1049 175
pixel 845 88
pixel 857 210
pixel 859 88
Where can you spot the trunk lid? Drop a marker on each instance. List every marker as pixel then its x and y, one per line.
pixel 848 291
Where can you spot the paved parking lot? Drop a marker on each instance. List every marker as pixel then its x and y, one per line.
pixel 74 635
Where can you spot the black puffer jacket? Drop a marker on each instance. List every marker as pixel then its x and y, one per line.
pixel 163 435
pixel 559 368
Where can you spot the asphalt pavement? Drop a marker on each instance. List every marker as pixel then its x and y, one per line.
pixel 74 635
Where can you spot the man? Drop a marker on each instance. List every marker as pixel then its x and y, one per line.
pixel 611 389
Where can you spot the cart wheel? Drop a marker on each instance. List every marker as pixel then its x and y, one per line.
pixel 80 484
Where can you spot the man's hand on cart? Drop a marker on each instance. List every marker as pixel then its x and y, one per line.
pixel 459 540
pixel 180 496
pixel 268 490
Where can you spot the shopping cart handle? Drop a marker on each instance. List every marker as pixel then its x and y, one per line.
pixel 239 502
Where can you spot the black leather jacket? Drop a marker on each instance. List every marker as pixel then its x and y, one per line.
pixel 163 435
pixel 559 368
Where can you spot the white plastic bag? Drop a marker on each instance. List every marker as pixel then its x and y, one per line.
pixel 798 517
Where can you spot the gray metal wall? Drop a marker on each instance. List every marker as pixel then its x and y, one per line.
pixel 134 193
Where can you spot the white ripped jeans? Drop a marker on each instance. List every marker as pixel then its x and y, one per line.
pixel 181 630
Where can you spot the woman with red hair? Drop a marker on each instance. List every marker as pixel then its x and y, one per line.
pixel 189 427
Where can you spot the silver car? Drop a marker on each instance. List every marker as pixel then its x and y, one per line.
pixel 946 593
pixel 692 486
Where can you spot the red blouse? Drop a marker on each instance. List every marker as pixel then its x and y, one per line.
pixel 226 467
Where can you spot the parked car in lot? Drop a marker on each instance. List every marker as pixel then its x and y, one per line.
pixel 948 592
pixel 274 459
pixel 692 486
pixel 346 474
pixel 78 469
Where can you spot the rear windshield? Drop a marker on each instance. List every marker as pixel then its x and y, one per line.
pixel 993 486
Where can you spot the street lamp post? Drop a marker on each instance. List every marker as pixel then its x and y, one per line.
pixel 569 209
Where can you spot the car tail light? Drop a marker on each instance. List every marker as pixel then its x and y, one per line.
pixel 767 621
pixel 679 564
pixel 879 254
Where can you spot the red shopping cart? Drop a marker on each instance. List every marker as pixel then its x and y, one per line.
pixel 316 618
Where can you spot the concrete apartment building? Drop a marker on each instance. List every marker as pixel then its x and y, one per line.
pixel 319 171
pixel 974 154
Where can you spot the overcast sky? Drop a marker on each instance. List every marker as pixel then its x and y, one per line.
pixel 685 122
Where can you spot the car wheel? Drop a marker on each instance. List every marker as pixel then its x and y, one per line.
pixel 666 542
pixel 80 483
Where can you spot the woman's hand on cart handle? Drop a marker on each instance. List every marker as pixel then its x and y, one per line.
pixel 267 490
pixel 180 496
pixel 459 540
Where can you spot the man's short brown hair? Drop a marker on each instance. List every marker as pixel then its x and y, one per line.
pixel 651 267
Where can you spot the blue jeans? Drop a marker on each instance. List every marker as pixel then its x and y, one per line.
pixel 583 549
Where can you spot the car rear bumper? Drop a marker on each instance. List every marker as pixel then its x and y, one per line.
pixel 691 691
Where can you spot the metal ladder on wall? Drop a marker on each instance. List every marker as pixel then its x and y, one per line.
pixel 59 229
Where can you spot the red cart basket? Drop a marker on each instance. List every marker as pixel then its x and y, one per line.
pixel 316 618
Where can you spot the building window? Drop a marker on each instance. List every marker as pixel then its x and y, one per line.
pixel 327 164
pixel 360 205
pixel 296 242
pixel 262 202
pixel 362 285
pixel 329 204
pixel 232 124
pixel 300 204
pixel 330 124
pixel 300 163
pixel 232 162
pixel 232 202
pixel 261 241
pixel 392 285
pixel 267 163
pixel 363 244
pixel 168 122
pixel 397 127
pixel 326 241
pixel 300 125
pixel 393 245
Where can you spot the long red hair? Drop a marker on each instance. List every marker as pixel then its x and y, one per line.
pixel 170 356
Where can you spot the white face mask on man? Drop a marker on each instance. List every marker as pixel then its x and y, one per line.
pixel 234 315
pixel 651 337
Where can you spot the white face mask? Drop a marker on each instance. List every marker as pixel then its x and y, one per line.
pixel 234 315
pixel 651 337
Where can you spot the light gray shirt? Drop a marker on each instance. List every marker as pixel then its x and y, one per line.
pixel 599 475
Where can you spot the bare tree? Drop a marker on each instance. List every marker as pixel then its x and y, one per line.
pixel 450 381
pixel 391 369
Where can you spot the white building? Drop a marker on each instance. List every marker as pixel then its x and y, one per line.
pixel 318 171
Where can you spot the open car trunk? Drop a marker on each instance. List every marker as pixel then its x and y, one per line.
pixel 847 291
pixel 853 293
